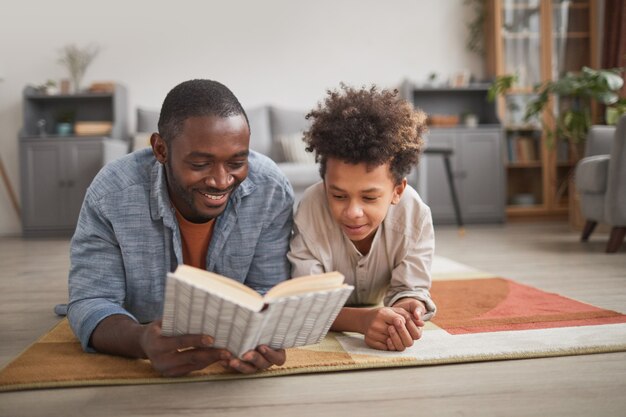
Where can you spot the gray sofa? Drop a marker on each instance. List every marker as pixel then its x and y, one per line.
pixel 601 182
pixel 274 132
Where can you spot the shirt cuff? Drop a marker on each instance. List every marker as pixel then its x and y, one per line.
pixel 84 316
pixel 431 308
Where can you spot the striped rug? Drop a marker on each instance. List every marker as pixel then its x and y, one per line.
pixel 481 318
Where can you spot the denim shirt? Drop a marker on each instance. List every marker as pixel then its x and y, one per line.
pixel 127 239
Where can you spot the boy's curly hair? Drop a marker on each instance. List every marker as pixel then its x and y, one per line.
pixel 366 125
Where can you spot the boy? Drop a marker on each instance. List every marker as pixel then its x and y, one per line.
pixel 363 220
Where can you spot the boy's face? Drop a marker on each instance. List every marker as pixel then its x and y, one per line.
pixel 359 197
pixel 205 164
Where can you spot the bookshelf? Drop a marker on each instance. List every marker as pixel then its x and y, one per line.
pixel 539 40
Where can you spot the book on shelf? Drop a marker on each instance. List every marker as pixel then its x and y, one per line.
pixel 522 149
pixel 296 312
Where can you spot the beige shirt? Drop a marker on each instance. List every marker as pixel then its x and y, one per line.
pixel 397 265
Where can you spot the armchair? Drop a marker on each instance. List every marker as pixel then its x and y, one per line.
pixel 600 179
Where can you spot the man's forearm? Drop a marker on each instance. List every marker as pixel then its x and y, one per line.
pixel 118 335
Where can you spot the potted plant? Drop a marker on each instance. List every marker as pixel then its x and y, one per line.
pixel 576 92
pixel 65 123
pixel 76 60
pixel 615 111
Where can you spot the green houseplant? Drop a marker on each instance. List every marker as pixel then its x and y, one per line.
pixel 572 115
pixel 576 92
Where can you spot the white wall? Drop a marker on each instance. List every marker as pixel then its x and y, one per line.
pixel 284 52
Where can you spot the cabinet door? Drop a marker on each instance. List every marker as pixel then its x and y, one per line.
pixel 43 186
pixel 482 172
pixel 55 175
pixel 83 160
pixel 434 187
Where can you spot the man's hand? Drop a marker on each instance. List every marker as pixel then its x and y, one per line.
pixel 255 360
pixel 179 355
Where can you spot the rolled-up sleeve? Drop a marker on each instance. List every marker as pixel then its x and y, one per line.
pixel 303 261
pixel 411 277
pixel 97 285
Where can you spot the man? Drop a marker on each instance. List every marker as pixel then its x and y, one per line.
pixel 198 197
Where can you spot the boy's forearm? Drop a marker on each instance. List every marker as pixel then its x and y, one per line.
pixel 350 319
pixel 118 335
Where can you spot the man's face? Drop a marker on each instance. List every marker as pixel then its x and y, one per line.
pixel 359 198
pixel 205 164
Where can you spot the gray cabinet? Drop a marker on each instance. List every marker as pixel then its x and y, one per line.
pixel 477 163
pixel 477 170
pixel 56 170
pixel 55 175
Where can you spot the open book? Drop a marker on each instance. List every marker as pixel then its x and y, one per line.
pixel 295 312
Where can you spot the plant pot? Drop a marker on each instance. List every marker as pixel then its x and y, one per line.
pixel 64 129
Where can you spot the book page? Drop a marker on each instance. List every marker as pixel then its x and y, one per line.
pixel 194 304
pixel 217 284
pixel 191 310
pixel 302 285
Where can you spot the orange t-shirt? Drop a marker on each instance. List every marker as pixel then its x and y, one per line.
pixel 195 239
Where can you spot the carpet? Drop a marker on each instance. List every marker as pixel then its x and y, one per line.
pixel 481 318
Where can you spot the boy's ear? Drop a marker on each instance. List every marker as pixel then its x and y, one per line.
pixel 159 147
pixel 397 191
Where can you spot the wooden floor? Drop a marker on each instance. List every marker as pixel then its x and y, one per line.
pixel 33 277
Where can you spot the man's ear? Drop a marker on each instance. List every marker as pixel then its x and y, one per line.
pixel 397 191
pixel 159 148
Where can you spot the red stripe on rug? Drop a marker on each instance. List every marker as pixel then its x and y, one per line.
pixel 498 304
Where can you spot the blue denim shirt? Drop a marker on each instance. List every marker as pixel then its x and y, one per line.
pixel 127 239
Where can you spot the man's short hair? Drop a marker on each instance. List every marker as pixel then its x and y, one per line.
pixel 196 98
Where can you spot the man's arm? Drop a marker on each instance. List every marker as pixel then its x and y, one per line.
pixel 97 288
pixel 170 356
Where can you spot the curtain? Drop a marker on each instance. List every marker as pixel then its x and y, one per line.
pixel 614 44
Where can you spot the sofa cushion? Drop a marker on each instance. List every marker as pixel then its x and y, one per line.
pixel 285 122
pixel 300 175
pixel 260 133
pixel 294 148
pixel 147 120
pixel 591 174
pixel 140 140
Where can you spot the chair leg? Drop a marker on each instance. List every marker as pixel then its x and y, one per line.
pixel 616 239
pixel 590 225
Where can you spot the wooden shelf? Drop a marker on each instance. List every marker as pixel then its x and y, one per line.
pixel 539 210
pixel 520 35
pixel 572 35
pixel 32 94
pixel 521 128
pixel 522 165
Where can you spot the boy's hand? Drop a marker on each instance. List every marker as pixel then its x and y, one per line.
pixel 416 310
pixel 414 307
pixel 387 328
pixel 254 360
